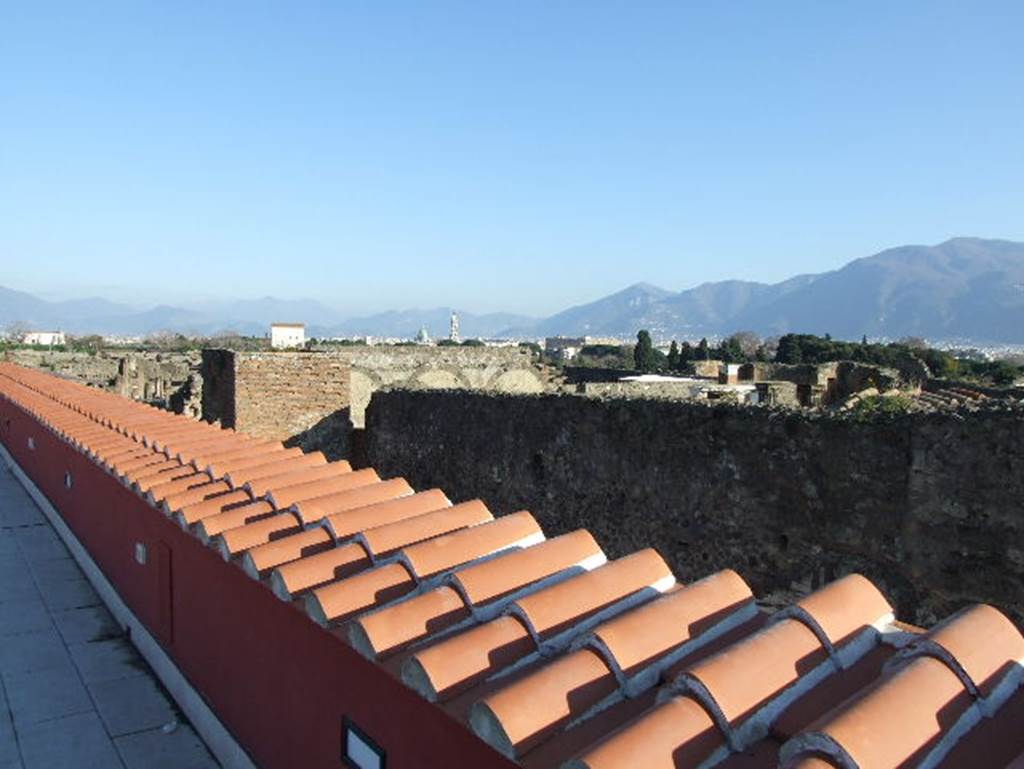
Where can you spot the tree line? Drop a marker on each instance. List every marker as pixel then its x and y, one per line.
pixel 747 347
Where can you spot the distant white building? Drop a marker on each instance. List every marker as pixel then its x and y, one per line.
pixel 287 335
pixel 44 338
pixel 453 329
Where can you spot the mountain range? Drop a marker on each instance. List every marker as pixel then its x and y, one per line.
pixel 966 289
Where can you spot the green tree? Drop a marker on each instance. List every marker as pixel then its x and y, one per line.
pixel 789 350
pixel 686 354
pixel 673 355
pixel 703 351
pixel 643 354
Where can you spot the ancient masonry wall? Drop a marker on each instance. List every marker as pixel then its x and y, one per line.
pixel 301 398
pixel 313 399
pixel 925 504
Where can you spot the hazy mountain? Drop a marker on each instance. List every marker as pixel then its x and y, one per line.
pixel 406 323
pixel 605 317
pixel 965 289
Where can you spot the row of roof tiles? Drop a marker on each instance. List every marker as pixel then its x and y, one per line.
pixel 551 653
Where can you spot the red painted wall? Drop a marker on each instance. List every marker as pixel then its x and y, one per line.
pixel 279 682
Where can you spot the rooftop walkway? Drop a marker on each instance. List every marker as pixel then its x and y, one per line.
pixel 73 690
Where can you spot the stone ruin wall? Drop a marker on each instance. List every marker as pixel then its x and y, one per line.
pixel 314 399
pixel 925 504
pixel 167 379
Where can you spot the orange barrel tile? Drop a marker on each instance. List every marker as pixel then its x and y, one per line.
pixel 258 561
pixel 561 606
pixel 145 482
pixel 287 476
pixel 253 449
pixel 392 628
pixel 345 523
pixel 190 446
pixel 638 637
pixel 384 632
pixel 677 733
pixel 846 606
pixel 129 455
pixel 267 466
pixel 296 577
pixel 358 496
pixel 234 541
pixel 381 540
pixel 132 471
pixel 748 674
pixel 484 582
pixel 230 519
pixel 161 491
pixel 984 643
pixel 193 495
pixel 525 713
pixel 445 553
pixel 441 671
pixel 197 511
pixel 282 498
pixel 816 762
pixel 124 467
pixel 356 594
pixel 246 458
pixel 201 459
pixel 892 722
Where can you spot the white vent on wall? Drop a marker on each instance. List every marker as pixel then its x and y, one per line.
pixel 31 443
pixel 358 750
pixel 69 479
pixel 140 554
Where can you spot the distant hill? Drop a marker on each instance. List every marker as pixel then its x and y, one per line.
pixel 966 289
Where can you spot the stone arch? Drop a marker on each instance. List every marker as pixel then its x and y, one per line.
pixel 361 387
pixel 438 379
pixel 518 381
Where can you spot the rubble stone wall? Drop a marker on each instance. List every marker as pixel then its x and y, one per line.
pixel 925 504
pixel 314 399
pixel 168 379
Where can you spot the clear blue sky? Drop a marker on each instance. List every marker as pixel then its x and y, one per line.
pixel 521 155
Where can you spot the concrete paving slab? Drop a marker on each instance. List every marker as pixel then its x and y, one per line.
pixel 8 741
pixel 46 550
pixel 92 623
pixel 107 660
pixel 78 741
pixel 43 695
pixel 129 705
pixel 48 570
pixel 63 656
pixel 38 650
pixel 155 749
pixel 70 594
pixel 24 616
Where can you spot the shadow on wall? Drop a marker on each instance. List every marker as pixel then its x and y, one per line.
pixel 925 504
pixel 332 434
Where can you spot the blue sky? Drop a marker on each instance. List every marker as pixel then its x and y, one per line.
pixel 519 156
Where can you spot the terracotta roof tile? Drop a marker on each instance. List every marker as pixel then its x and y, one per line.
pixel 197 511
pixel 262 485
pixel 260 466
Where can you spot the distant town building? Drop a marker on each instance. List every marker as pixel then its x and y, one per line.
pixel 423 336
pixel 287 335
pixel 44 338
pixel 568 347
pixel 453 331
